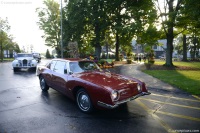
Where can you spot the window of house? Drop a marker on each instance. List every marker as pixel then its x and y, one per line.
pixel 155 47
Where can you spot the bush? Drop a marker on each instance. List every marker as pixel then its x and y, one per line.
pixel 129 61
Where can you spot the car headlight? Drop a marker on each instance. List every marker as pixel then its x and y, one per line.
pixel 139 87
pixel 114 95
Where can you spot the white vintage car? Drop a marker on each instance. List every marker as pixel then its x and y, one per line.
pixel 24 60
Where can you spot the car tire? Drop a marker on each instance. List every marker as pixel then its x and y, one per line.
pixel 15 69
pixel 83 101
pixel 33 69
pixel 43 84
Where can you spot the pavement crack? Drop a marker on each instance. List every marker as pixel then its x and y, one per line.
pixel 19 107
pixel 161 105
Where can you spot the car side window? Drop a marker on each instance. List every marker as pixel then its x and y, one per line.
pixel 52 65
pixel 59 67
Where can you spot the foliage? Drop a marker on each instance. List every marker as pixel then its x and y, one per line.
pixel 150 55
pixel 97 22
pixel 189 22
pixel 150 37
pixel 6 40
pixel 49 22
pixel 168 18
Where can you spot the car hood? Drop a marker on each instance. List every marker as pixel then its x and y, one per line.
pixel 108 80
pixel 22 58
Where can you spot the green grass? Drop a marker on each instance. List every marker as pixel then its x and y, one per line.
pixel 7 59
pixel 187 80
pixel 180 63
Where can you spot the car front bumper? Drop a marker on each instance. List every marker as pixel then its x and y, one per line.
pixel 108 106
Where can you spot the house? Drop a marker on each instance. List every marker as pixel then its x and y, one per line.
pixel 8 53
pixel 159 50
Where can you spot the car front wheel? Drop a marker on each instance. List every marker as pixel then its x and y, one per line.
pixel 83 101
pixel 43 84
pixel 15 69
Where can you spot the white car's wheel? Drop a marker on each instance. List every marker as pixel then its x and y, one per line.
pixel 33 69
pixel 15 69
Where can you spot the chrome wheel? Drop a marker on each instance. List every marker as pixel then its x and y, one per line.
pixel 83 101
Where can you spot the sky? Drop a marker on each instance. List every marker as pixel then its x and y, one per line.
pixel 22 18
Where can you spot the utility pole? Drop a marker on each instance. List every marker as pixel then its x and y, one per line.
pixel 1 39
pixel 61 38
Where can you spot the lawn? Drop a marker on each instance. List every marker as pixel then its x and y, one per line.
pixel 180 63
pixel 187 80
pixel 7 59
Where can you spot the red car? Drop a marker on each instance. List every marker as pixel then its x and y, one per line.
pixel 87 84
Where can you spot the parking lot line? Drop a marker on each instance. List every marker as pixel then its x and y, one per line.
pixel 178 98
pixel 196 97
pixel 184 106
pixel 160 121
pixel 179 116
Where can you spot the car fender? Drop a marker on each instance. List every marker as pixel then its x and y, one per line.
pixel 14 63
pixel 94 91
pixel 34 62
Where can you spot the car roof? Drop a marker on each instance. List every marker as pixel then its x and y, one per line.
pixel 70 59
pixel 23 53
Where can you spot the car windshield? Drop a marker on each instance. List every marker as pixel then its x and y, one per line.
pixel 36 54
pixel 77 67
pixel 24 55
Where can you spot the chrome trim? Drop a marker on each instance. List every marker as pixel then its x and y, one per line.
pixel 116 104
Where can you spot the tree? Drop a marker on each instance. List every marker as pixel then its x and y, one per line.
pixel 188 21
pixel 16 48
pixel 88 23
pixel 48 54
pixel 191 14
pixel 168 13
pixel 49 22
pixel 98 20
pixel 4 37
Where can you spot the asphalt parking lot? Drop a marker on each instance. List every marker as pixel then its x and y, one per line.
pixel 25 108
pixel 173 109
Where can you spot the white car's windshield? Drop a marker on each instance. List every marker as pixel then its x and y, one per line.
pixel 24 55
pixel 77 67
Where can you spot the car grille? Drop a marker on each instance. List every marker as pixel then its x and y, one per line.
pixel 25 62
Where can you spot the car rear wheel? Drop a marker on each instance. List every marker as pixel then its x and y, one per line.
pixel 43 84
pixel 83 101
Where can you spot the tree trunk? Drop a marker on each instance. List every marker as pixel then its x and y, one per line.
pixel 97 41
pixel 98 50
pixel 1 52
pixel 117 47
pixel 169 48
pixel 170 35
pixel 195 46
pixel 184 48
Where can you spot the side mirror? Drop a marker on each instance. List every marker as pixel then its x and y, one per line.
pixel 70 73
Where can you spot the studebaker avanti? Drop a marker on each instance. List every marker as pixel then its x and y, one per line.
pixel 86 83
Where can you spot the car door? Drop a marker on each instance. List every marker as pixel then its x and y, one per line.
pixel 60 77
pixel 48 73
